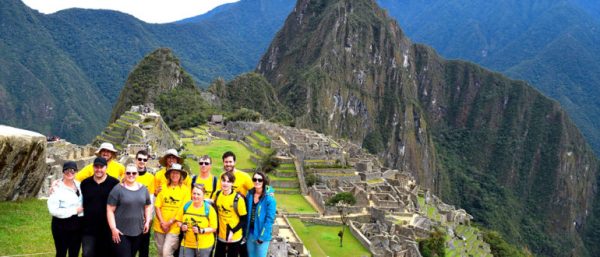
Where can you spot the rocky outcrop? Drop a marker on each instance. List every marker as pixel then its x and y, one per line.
pixel 22 163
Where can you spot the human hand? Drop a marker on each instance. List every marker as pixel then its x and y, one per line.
pixel 146 227
pixel 116 235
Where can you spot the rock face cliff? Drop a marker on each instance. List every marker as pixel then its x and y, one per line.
pixel 344 69
pixel 492 145
pixel 22 163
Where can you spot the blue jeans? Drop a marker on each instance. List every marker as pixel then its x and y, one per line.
pixel 255 249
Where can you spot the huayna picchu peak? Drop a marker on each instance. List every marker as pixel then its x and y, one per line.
pixel 494 146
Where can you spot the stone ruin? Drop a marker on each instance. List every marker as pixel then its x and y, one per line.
pixel 143 109
pixel 59 152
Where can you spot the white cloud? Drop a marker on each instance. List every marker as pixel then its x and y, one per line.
pixel 153 11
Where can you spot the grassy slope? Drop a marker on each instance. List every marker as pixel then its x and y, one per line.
pixel 323 240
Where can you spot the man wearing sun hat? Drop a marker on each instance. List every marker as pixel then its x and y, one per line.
pixel 113 169
pixel 169 158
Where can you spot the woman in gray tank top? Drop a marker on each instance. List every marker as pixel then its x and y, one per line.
pixel 128 213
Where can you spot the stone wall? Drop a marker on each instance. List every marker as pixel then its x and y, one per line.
pixel 359 236
pixel 22 163
pixel 318 221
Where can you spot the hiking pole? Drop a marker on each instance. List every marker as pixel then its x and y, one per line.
pixel 183 240
pixel 195 224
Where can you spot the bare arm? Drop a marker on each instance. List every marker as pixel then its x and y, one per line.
pixel 112 224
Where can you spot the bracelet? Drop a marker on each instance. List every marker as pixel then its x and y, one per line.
pixel 201 231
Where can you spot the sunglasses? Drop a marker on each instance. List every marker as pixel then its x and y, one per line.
pixel 257 180
pixel 69 171
pixel 129 173
pixel 142 159
pixel 204 163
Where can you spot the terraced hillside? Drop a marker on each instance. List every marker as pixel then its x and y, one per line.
pixel 139 128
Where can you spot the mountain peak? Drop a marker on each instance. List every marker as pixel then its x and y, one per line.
pixel 158 72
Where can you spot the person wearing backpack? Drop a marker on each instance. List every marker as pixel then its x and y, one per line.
pixel 231 212
pixel 197 219
pixel 261 207
pixel 210 181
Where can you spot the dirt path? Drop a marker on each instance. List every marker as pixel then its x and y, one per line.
pixel 314 204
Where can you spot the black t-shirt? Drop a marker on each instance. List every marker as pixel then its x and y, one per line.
pixel 95 197
pixel 253 216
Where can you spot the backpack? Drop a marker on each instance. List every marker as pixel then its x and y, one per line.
pixel 214 184
pixel 235 202
pixel 206 207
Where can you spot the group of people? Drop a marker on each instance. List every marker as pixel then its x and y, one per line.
pixel 108 209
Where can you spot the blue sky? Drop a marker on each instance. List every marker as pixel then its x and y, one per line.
pixel 152 11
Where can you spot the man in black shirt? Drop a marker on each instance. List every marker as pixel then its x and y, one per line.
pixel 96 233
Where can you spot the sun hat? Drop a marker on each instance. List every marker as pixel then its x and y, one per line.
pixel 177 167
pixel 106 146
pixel 172 152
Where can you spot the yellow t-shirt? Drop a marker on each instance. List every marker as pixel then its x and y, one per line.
pixel 113 169
pixel 198 217
pixel 160 179
pixel 208 185
pixel 242 183
pixel 147 180
pixel 227 215
pixel 169 200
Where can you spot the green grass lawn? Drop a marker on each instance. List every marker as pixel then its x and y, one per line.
pixel 25 229
pixel 215 150
pixel 287 166
pixel 293 203
pixel 323 240
pixel 262 137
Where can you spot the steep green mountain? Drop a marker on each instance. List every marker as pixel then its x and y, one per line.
pixel 250 91
pixel 61 73
pixel 41 88
pixel 159 79
pixel 495 146
pixel 552 44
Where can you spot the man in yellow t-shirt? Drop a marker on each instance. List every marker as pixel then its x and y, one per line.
pixel 169 158
pixel 210 181
pixel 198 220
pixel 113 169
pixel 243 182
pixel 147 179
pixel 231 216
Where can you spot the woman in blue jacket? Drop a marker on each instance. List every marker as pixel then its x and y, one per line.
pixel 261 207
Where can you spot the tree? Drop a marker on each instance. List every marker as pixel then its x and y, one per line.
pixel 311 179
pixel 342 201
pixel 435 245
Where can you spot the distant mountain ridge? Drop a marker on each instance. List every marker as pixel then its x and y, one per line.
pixel 553 44
pixel 90 52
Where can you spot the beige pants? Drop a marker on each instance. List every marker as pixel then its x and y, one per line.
pixel 166 244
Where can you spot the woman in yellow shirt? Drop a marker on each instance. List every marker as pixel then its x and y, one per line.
pixel 197 219
pixel 168 202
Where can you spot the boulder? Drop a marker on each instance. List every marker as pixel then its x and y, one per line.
pixel 22 163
